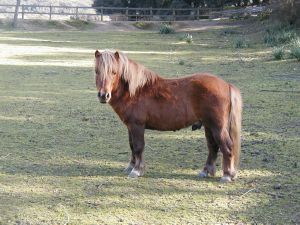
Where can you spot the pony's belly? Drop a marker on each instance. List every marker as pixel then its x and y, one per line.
pixel 170 122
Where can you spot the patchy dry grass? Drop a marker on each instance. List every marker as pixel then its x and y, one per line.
pixel 62 153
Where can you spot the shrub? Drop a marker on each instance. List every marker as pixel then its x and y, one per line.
pixel 188 38
pixel 240 43
pixel 295 53
pixel 143 25
pixel 166 29
pixel 279 35
pixel 80 24
pixel 181 62
pixel 278 53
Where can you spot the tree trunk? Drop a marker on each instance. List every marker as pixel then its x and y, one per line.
pixel 15 23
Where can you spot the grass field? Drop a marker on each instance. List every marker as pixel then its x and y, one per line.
pixel 62 153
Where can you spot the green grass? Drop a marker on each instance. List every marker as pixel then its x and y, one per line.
pixel 62 153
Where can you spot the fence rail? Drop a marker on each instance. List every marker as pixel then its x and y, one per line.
pixel 115 13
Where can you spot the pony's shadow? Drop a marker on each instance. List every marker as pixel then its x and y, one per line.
pixel 82 170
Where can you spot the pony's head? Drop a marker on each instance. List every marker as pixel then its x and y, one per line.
pixel 108 69
pixel 111 66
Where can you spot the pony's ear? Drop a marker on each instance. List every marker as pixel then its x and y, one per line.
pixel 117 56
pixel 97 54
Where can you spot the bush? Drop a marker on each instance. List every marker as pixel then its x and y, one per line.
pixel 295 53
pixel 240 43
pixel 188 38
pixel 181 62
pixel 143 25
pixel 278 53
pixel 166 29
pixel 80 24
pixel 279 35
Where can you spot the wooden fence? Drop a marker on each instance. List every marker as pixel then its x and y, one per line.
pixel 109 13
pixel 122 14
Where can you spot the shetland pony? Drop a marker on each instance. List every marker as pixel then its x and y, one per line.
pixel 144 100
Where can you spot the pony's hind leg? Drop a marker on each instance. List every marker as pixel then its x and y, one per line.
pixel 131 163
pixel 210 165
pixel 225 144
pixel 138 144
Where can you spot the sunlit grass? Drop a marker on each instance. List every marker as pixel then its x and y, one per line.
pixel 62 154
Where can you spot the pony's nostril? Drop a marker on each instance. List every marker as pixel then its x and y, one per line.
pixel 99 95
pixel 107 95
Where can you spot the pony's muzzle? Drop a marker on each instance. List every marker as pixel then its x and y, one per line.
pixel 104 97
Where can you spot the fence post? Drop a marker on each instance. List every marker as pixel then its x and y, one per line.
pixel 174 15
pixel 101 12
pixel 126 13
pixel 198 13
pixel 23 9
pixel 15 22
pixel 151 14
pixel 77 17
pixel 50 12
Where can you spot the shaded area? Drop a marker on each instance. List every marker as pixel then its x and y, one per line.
pixel 63 153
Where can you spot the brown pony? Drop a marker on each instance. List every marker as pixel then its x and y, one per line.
pixel 144 100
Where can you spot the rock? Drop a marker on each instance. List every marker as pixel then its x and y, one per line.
pixel 277 186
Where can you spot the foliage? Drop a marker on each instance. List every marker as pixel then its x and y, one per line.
pixel 295 53
pixel 279 34
pixel 188 38
pixel 80 24
pixel 181 62
pixel 166 29
pixel 278 53
pixel 143 25
pixel 240 42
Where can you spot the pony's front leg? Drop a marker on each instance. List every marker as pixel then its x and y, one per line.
pixel 137 137
pixel 131 163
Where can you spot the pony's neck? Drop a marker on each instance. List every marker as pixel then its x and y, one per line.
pixel 137 76
pixel 132 85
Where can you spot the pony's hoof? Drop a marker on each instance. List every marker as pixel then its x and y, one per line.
pixel 203 174
pixel 128 169
pixel 134 174
pixel 225 179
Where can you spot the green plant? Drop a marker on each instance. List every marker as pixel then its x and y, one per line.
pixel 240 43
pixel 278 53
pixel 295 53
pixel 189 38
pixel 143 25
pixel 79 24
pixel 166 29
pixel 279 35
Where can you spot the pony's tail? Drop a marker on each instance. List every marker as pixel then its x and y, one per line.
pixel 235 123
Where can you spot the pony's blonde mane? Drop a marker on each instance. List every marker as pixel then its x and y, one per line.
pixel 135 74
